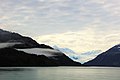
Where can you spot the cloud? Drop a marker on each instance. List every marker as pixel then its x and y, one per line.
pixel 86 40
pixel 3 26
pixel 111 6
pixel 58 14
pixel 4 17
pixel 84 24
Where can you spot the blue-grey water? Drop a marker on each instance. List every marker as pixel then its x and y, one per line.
pixel 60 73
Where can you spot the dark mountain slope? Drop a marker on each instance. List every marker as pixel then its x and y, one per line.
pixel 10 57
pixel 108 58
pixel 25 42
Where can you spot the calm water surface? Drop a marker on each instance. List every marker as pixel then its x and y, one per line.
pixel 60 73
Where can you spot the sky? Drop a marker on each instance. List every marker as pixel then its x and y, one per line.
pixel 81 25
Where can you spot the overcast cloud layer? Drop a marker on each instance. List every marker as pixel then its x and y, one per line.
pixel 81 25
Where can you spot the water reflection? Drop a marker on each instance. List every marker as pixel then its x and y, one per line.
pixel 60 73
pixel 14 69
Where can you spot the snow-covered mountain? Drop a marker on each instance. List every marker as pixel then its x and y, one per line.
pixel 87 56
pixel 68 52
pixel 65 50
pixel 79 57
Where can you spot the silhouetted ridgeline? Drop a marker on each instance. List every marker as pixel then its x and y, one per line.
pixel 108 58
pixel 11 42
pixel 11 57
pixel 24 42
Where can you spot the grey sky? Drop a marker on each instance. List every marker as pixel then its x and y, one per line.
pixel 41 18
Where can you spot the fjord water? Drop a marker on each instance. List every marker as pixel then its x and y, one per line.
pixel 60 73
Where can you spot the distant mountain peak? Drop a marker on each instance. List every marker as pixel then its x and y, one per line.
pixel 93 52
pixel 65 50
pixel 81 57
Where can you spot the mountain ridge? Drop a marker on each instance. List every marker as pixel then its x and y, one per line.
pixel 81 57
pixel 12 54
pixel 111 57
pixel 10 57
pixel 26 42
